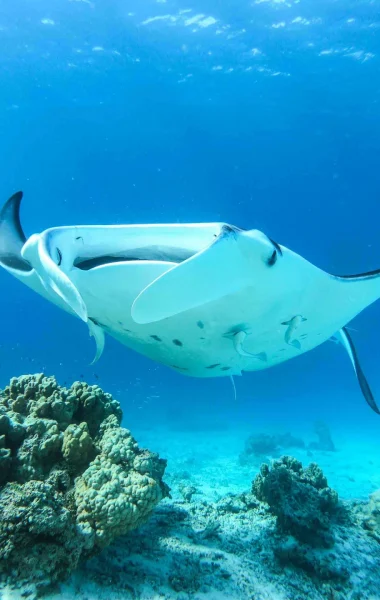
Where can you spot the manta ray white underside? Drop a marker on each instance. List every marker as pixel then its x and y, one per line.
pixel 206 299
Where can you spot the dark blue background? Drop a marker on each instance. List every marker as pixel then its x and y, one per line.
pixel 116 136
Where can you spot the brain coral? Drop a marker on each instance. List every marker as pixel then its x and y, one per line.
pixel 71 478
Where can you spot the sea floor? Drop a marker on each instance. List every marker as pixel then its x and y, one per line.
pixel 203 544
pixel 211 460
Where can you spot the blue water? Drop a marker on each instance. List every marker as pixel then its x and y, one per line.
pixel 262 114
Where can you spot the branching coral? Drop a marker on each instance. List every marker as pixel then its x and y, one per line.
pixel 71 479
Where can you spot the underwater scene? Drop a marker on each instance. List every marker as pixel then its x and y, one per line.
pixel 189 315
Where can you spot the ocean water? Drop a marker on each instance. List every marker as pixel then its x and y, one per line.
pixel 260 113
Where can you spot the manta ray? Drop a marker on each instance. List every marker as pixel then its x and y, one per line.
pixel 206 299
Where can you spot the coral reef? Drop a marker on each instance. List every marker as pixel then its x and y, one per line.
pixel 229 550
pixel 300 499
pixel 372 521
pixel 187 491
pixel 71 478
pixel 368 515
pixel 324 438
pixel 237 547
pixel 262 445
pixel 38 539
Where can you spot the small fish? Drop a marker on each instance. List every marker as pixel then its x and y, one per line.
pixel 292 325
pixel 238 340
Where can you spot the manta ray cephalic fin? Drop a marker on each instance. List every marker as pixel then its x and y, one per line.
pixel 218 270
pixel 98 334
pixel 51 276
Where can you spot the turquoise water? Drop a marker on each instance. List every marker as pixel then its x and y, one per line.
pixel 262 114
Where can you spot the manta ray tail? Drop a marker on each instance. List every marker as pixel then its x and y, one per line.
pixel 233 386
pixel 344 338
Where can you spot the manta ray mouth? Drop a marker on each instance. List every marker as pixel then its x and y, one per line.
pixel 159 252
pixel 13 239
pixel 150 253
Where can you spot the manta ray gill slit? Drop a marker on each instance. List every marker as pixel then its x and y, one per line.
pixel 59 257
pixel 229 230
pixel 275 254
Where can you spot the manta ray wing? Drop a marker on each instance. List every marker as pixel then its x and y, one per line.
pixel 12 237
pixel 345 339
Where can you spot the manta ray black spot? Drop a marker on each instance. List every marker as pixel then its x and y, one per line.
pixel 124 328
pixel 179 368
pixel 155 337
pixel 177 342
pixel 213 366
pixel 79 238
pixel 200 324
pixel 225 368
pixel 59 257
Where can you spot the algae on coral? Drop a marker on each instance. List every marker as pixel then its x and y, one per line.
pixel 72 479
pixel 300 499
